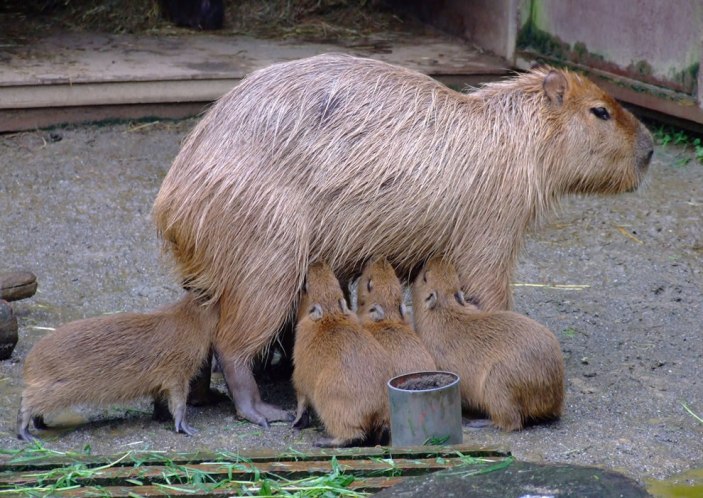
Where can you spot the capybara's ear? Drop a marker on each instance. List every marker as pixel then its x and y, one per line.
pixel 377 313
pixel 431 300
pixel 555 86
pixel 403 311
pixel 315 312
pixel 344 306
pixel 459 296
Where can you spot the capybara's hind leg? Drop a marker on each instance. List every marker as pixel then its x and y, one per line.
pixel 177 405
pixel 243 331
pixel 503 409
pixel 245 394
pixel 24 415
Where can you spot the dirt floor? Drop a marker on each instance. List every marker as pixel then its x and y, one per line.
pixel 617 279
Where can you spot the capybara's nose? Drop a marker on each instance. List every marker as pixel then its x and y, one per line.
pixel 645 148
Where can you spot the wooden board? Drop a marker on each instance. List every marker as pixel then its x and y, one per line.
pixel 72 71
pixel 363 470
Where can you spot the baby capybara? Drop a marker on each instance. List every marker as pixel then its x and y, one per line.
pixel 382 312
pixel 341 158
pixel 510 366
pixel 339 368
pixel 117 358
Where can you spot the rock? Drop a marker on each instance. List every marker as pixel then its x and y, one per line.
pixel 8 330
pixel 519 479
pixel 17 285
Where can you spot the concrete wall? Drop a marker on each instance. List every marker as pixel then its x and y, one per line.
pixel 654 41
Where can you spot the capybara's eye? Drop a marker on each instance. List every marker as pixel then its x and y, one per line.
pixel 601 113
pixel 459 298
pixel 369 285
pixel 424 277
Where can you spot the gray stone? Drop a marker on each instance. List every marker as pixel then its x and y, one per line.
pixel 518 480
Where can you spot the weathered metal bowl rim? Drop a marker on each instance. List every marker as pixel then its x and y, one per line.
pixel 405 376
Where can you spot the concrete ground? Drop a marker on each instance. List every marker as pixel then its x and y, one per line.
pixel 617 279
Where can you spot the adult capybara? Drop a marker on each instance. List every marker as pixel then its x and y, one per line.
pixel 339 368
pixel 381 311
pixel 117 358
pixel 341 158
pixel 510 366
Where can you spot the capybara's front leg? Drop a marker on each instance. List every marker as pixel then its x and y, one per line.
pixel 245 394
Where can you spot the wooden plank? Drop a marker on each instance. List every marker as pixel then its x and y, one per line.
pixel 70 77
pixel 367 485
pixel 228 474
pixel 217 471
pixel 25 462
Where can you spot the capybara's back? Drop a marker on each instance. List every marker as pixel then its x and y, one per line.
pixel 340 370
pixel 338 158
pixel 120 357
pixel 511 367
pixel 381 310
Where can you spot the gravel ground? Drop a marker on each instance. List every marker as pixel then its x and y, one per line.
pixel 75 207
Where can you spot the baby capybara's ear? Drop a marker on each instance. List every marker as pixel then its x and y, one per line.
pixel 403 311
pixel 431 300
pixel 315 312
pixel 555 86
pixel 344 307
pixel 459 296
pixel 377 313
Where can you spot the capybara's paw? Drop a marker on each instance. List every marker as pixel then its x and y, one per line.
pixel 187 429
pixel 478 423
pixel 254 416
pixel 274 414
pixel 24 435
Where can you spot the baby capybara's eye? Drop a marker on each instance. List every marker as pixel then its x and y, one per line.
pixel 601 113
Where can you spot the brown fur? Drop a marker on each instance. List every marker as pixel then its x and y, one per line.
pixel 340 158
pixel 340 369
pixel 510 366
pixel 381 310
pixel 117 358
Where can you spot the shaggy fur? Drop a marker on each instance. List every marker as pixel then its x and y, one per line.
pixel 340 369
pixel 381 310
pixel 510 366
pixel 338 158
pixel 117 358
